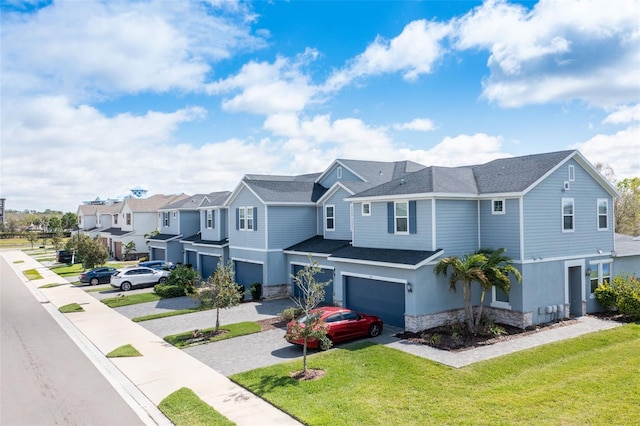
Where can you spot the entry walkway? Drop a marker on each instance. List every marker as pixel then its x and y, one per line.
pixel 161 370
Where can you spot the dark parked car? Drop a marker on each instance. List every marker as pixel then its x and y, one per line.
pixel 64 256
pixel 100 275
pixel 157 264
pixel 342 324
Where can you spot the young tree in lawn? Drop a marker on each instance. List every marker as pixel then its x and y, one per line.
pixel 32 237
pixel 309 326
pixel 57 239
pixel 219 291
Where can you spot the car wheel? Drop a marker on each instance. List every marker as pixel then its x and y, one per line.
pixel 374 330
pixel 324 344
pixel 125 286
pixel 162 280
pixel 94 281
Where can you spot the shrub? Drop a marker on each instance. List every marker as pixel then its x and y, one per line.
pixel 167 291
pixel 623 293
pixel 291 313
pixel 256 291
pixel 185 278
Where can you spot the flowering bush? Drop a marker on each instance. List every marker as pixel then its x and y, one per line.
pixel 621 294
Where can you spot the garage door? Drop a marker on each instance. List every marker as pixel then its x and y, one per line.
pixel 248 273
pixel 208 264
pixel 157 254
pixel 323 276
pixel 382 298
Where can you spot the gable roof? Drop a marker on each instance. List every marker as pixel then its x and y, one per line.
pixel 215 199
pixel 515 175
pixel 280 191
pixel 153 203
pixel 374 172
pixel 188 203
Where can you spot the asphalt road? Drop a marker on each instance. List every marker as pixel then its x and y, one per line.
pixel 46 378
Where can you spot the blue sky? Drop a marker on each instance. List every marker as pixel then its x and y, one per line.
pixel 102 96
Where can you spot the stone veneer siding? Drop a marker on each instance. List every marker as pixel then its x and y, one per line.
pixel 270 292
pixel 503 316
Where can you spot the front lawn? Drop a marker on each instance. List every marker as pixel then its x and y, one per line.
pixel 206 335
pixel 593 379
pixel 132 299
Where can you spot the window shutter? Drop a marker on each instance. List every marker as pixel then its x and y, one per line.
pixel 237 219
pixel 255 218
pixel 213 219
pixel 390 217
pixel 413 221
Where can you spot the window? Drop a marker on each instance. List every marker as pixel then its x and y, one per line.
pixel 242 219
pixel 249 218
pixel 115 219
pixel 209 219
pixel 175 214
pixel 330 218
pixel 366 209
pixel 402 217
pixel 79 220
pixel 128 218
pixel 339 172
pixel 600 273
pixel 567 215
pixel 499 299
pixel 572 173
pixel 165 218
pixel 497 207
pixel 603 215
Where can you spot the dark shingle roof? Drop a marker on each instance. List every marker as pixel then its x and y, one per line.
pixel 402 257
pixel 318 244
pixel 162 237
pixel 116 231
pixel 215 199
pixel 196 239
pixel 514 174
pixel 311 177
pixel 271 191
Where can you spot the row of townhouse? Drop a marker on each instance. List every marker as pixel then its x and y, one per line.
pixel 377 230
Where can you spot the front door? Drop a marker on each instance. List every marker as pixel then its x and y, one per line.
pixel 575 291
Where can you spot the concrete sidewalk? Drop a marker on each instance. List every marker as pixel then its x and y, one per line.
pixel 161 370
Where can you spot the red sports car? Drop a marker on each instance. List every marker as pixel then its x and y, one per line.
pixel 342 324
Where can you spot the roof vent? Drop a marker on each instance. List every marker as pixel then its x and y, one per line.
pixel 402 181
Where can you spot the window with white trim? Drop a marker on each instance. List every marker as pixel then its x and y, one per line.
pixel 115 219
pixel 497 206
pixel 249 218
pixel 339 172
pixel 330 218
pixel 209 219
pixel 603 214
pixel 499 298
pixel 600 274
pixel 402 217
pixel 128 218
pixel 366 209
pixel 165 219
pixel 242 220
pixel 568 219
pixel 572 173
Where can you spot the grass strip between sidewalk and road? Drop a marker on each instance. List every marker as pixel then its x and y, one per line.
pixel 124 351
pixel 32 274
pixel 593 379
pixel 70 308
pixel 184 407
pixel 132 299
pixel 186 339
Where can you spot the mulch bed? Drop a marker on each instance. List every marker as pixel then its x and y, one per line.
pixel 456 338
pixel 272 323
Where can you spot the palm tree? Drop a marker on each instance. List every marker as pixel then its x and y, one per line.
pixel 496 268
pixel 467 269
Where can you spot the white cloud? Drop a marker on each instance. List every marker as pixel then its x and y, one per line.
pixel 620 151
pixel 87 49
pixel 625 114
pixel 280 87
pixel 556 52
pixel 461 150
pixel 412 53
pixel 418 124
pixel 69 154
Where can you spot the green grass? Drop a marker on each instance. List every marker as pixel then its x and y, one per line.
pixel 589 380
pixel 181 340
pixel 50 285
pixel 32 274
pixel 68 270
pixel 18 261
pixel 124 351
pixel 14 242
pixel 184 407
pixel 133 299
pixel 70 308
pixel 167 314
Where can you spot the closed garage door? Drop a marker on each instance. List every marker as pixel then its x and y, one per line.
pixel 208 264
pixel 382 298
pixel 248 273
pixel 157 254
pixel 323 276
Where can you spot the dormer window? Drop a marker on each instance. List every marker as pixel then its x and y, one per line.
pixel 572 173
pixel 339 172
pixel 209 219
